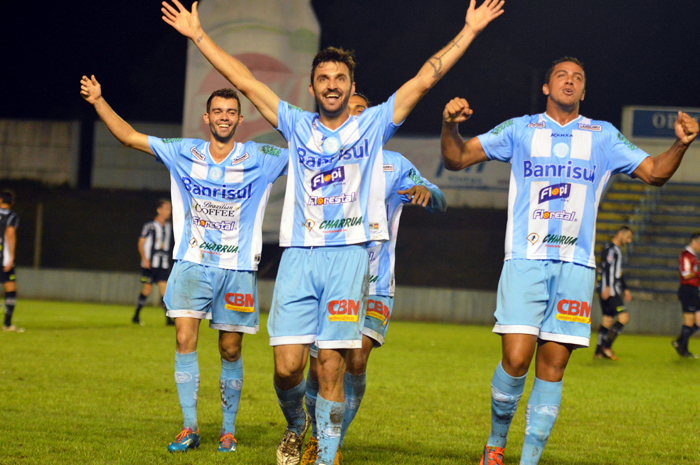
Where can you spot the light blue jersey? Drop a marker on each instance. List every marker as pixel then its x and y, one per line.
pixel 218 208
pixel 557 178
pixel 335 188
pixel 400 175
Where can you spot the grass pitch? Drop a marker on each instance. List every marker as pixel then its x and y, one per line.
pixel 84 385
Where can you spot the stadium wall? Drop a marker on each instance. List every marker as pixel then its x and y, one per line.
pixel 411 303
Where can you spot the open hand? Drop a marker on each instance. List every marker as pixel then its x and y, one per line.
pixel 478 18
pixel 184 22
pixel 90 89
pixel 419 195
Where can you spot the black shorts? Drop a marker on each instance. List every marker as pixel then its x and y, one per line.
pixel 154 275
pixel 690 298
pixel 612 306
pixel 7 276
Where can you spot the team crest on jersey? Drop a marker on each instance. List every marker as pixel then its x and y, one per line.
pixel 555 191
pixel 215 173
pixel 197 154
pixel 240 159
pixel 532 238
pixel 590 127
pixel 329 177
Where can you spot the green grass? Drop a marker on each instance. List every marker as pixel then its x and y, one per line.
pixel 84 385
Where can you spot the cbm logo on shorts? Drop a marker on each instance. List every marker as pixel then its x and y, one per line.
pixel 574 311
pixel 378 310
pixel 329 177
pixel 240 302
pixel 343 310
pixel 555 191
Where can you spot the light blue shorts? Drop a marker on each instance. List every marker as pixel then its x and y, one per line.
pixel 229 298
pixel 320 296
pixel 377 318
pixel 549 299
pixel 376 321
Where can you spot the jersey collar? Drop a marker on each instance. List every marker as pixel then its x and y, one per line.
pixel 689 249
pixel 237 146
pixel 575 120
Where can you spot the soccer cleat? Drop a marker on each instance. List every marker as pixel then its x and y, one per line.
pixel 12 329
pixel 338 458
pixel 690 355
pixel 310 452
pixel 227 443
pixel 169 321
pixel 187 439
pixel 607 351
pixel 289 450
pixel 677 345
pixel 135 320
pixel 493 456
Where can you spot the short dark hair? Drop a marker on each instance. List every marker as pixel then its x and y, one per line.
pixel 161 202
pixel 335 55
pixel 226 93
pixel 548 76
pixel 694 236
pixel 624 229
pixel 363 97
pixel 7 196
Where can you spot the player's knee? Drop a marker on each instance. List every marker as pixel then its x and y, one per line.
pixel 230 352
pixel 357 362
pixel 515 365
pixel 623 318
pixel 186 342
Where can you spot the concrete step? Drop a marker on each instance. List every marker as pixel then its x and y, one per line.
pixel 624 196
pixel 683 199
pixel 655 272
pixel 681 188
pixel 651 284
pixel 620 206
pixel 633 186
pixel 653 260
pixel 689 209
pixel 668 250
pixel 619 217
pixel 677 218
pixel 671 229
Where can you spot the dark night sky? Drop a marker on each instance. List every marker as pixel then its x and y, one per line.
pixel 637 52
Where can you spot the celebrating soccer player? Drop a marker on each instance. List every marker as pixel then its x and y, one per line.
pixel 9 222
pixel 219 192
pixel 404 184
pixel 333 206
pixel 560 162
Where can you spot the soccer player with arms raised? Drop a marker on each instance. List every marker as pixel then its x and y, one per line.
pixel 333 206
pixel 219 191
pixel 404 184
pixel 561 162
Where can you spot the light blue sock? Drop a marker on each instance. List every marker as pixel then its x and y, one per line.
pixel 329 417
pixel 506 392
pixel 542 410
pixel 230 385
pixel 354 391
pixel 310 400
pixel 292 404
pixel 187 382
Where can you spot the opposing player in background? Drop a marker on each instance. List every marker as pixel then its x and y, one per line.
pixel 334 205
pixel 689 295
pixel 613 293
pixel 404 184
pixel 560 163
pixel 9 222
pixel 219 192
pixel 155 247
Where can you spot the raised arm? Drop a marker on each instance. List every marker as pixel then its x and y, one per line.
pixel 457 154
pixel 187 23
pixel 435 68
pixel 91 91
pixel 659 169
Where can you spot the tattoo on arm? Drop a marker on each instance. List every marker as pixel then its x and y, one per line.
pixel 436 61
pixel 199 39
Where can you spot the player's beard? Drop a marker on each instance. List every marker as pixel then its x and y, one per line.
pixel 219 138
pixel 332 113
